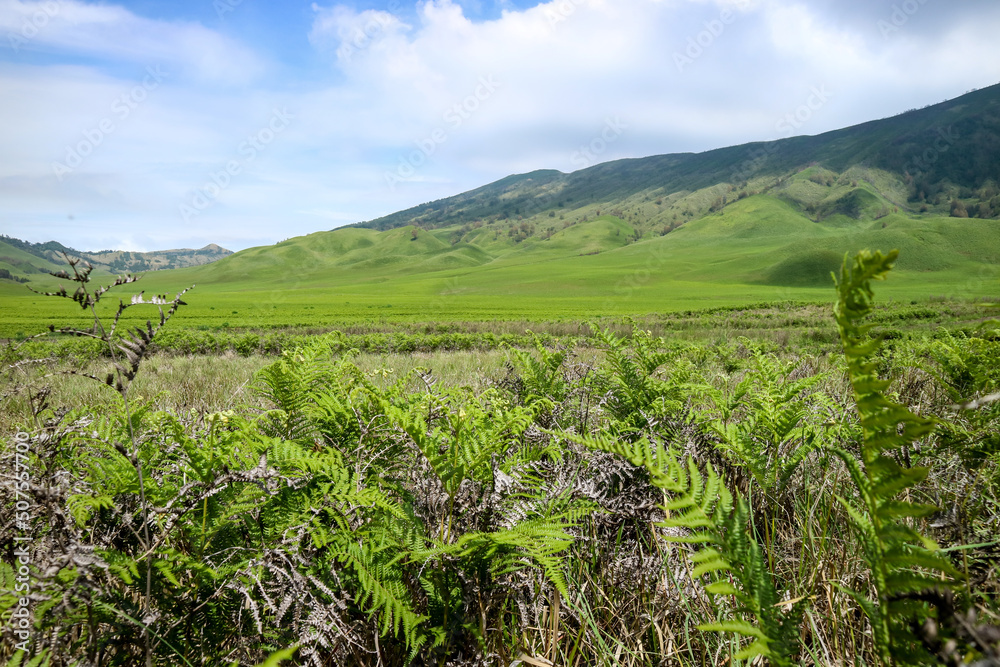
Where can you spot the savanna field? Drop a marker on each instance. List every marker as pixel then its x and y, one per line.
pixel 656 411
pixel 786 483
pixel 499 333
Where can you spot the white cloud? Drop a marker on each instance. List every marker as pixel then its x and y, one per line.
pixel 349 34
pixel 452 101
pixel 114 33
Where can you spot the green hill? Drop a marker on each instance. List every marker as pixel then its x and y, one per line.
pixel 671 232
pixel 919 159
pixel 20 264
pixel 21 259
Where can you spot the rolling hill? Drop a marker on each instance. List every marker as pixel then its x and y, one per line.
pixel 921 159
pixel 760 222
pixel 20 259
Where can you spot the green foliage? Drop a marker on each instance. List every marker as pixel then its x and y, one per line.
pixel 968 368
pixel 764 423
pixel 276 658
pixel 727 554
pixel 404 562
pixel 632 386
pixel 900 559
pixel 542 377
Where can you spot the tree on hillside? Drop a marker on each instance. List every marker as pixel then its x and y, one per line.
pixel 958 209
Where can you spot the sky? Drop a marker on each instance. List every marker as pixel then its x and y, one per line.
pixel 155 124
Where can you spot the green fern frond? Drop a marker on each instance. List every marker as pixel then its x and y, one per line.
pixel 729 557
pixel 506 551
pixel 542 376
pixel 734 564
pixel 762 421
pixel 383 590
pixel 899 557
pixel 636 392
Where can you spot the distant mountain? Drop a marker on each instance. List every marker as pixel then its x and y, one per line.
pixel 20 259
pixel 761 222
pixel 920 160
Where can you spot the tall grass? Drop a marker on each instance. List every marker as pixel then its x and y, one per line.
pixel 643 500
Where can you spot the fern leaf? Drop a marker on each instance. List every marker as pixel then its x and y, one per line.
pixel 897 555
pixel 739 627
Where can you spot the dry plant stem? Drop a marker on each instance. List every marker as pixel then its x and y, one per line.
pixel 137 461
pixel 135 352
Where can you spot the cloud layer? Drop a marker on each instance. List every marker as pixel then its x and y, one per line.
pixel 161 132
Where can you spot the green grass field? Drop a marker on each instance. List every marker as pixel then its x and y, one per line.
pixel 526 504
pixel 763 248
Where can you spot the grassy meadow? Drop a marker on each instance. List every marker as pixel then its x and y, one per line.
pixel 778 245
pixel 697 487
pixel 568 439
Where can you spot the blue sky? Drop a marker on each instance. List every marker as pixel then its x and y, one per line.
pixel 150 124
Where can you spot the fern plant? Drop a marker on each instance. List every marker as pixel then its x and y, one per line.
pixel 152 494
pixel 466 452
pixel 636 392
pixel 727 553
pixel 968 368
pixel 127 352
pixel 763 421
pixel 542 377
pixel 900 559
pixel 428 477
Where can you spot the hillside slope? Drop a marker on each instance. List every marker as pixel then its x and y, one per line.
pixel 764 247
pixel 919 159
pixel 20 259
pixel 619 239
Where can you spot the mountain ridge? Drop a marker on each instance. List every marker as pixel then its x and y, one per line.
pixel 941 148
pixel 19 259
pixel 760 222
